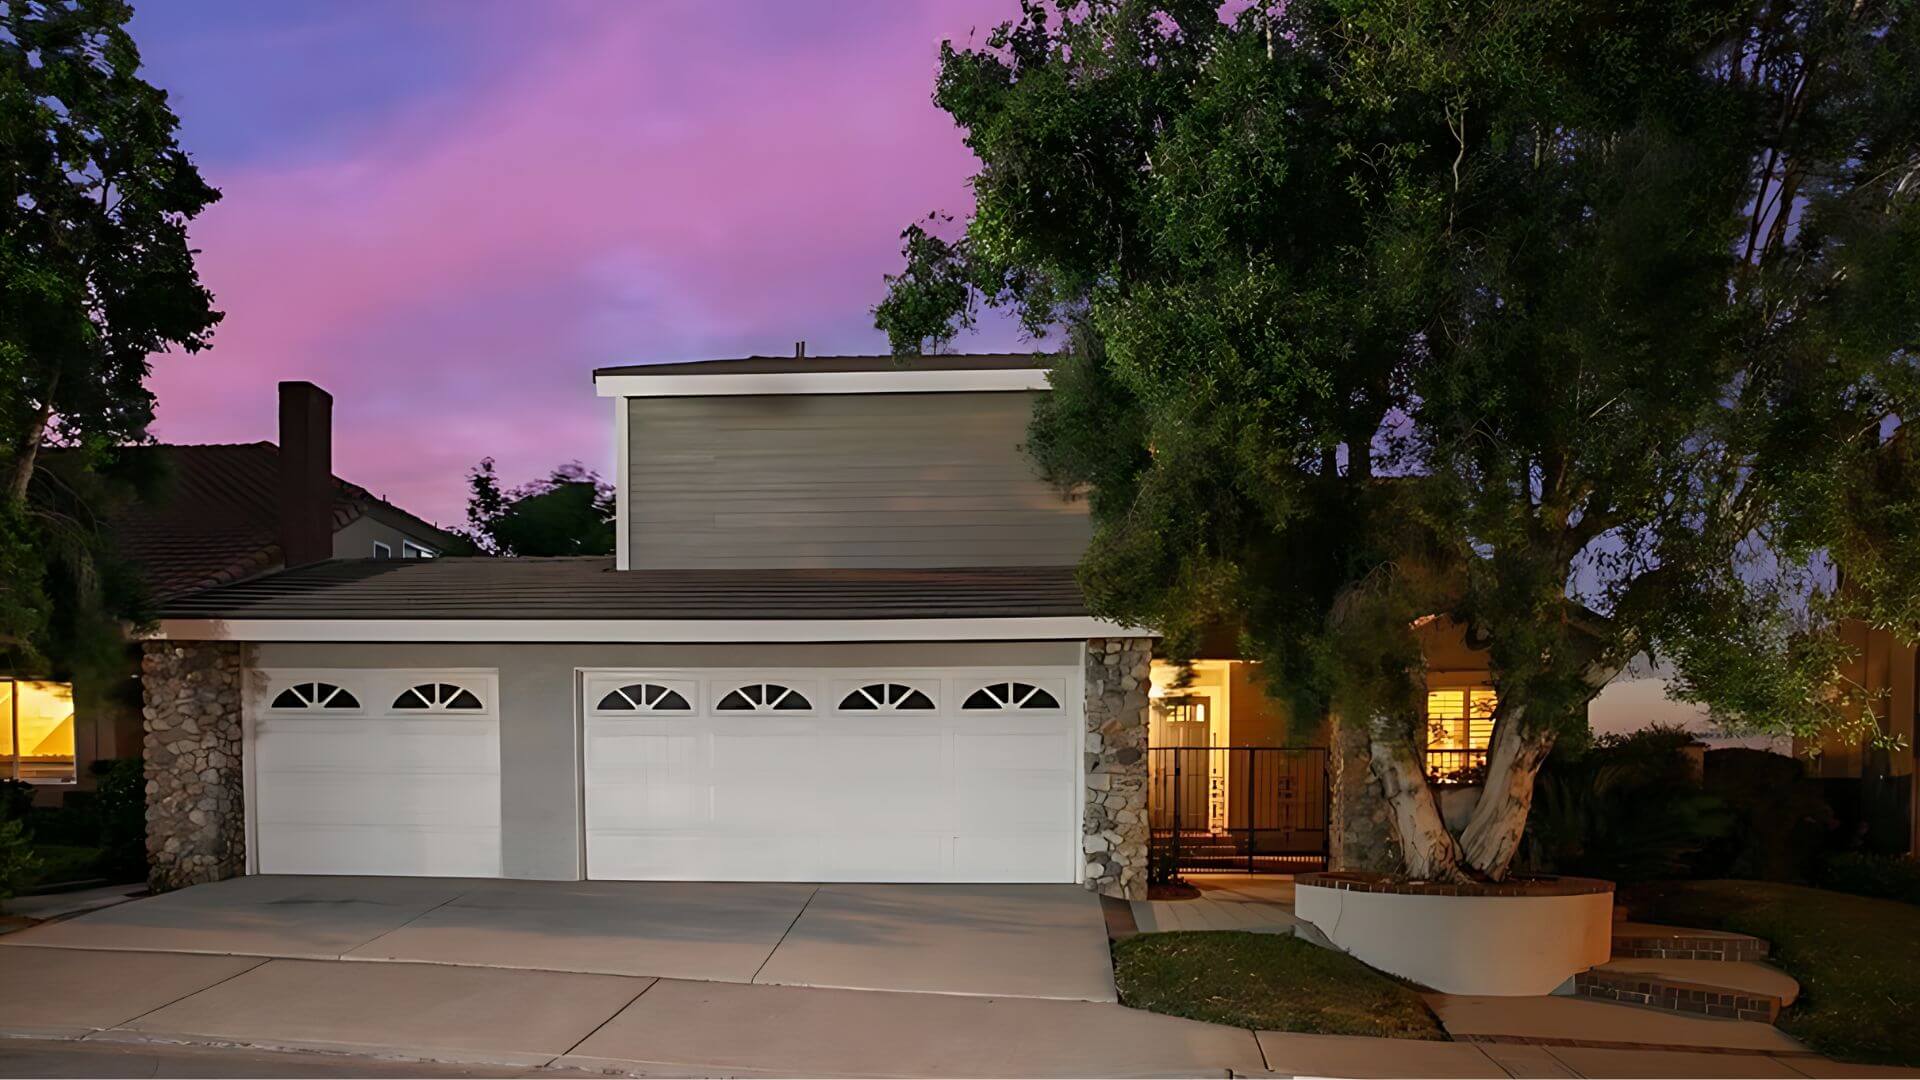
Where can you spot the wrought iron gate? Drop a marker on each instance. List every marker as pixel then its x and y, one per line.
pixel 1245 808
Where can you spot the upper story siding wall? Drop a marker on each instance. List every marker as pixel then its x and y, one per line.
pixel 841 480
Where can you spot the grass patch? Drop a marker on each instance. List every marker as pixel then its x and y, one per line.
pixel 1857 958
pixel 1267 982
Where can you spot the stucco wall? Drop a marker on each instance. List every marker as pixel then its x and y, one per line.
pixel 539 737
pixel 355 540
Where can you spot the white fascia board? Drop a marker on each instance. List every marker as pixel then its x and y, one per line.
pixel 651 631
pixel 822 382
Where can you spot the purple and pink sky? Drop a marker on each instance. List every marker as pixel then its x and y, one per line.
pixel 448 212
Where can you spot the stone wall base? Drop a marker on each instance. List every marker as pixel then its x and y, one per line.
pixel 195 815
pixel 1116 827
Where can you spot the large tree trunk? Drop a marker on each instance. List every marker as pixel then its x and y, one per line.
pixel 28 453
pixel 1427 848
pixel 1492 836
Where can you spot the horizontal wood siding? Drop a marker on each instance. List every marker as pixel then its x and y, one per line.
pixel 842 480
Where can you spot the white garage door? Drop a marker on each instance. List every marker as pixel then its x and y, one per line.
pixel 809 775
pixel 377 772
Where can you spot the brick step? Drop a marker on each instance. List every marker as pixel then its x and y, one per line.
pixel 1647 941
pixel 1730 989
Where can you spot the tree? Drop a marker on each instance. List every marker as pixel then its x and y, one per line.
pixel 1589 326
pixel 96 272
pixel 569 512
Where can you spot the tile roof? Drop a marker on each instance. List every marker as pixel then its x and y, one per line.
pixel 215 516
pixel 781 365
pixel 590 588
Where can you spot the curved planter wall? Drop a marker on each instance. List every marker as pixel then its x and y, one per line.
pixel 1520 939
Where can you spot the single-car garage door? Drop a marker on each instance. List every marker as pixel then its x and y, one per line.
pixel 390 772
pixel 818 775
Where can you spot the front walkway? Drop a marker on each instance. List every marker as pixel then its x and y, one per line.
pixel 1036 941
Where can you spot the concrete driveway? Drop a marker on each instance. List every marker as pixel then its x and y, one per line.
pixel 1032 941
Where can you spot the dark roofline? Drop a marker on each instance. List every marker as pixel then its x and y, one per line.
pixel 782 365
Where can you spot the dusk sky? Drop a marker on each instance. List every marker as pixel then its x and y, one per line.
pixel 447 213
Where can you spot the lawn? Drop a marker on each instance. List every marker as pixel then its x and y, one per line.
pixel 61 863
pixel 1857 958
pixel 1267 982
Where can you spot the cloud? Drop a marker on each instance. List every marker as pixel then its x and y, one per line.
pixel 630 183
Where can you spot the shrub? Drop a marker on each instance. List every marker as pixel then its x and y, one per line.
pixel 120 806
pixel 1783 820
pixel 1890 877
pixel 1628 808
pixel 16 799
pixel 18 867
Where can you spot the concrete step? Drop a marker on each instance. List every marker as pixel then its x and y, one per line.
pixel 1647 941
pixel 1729 989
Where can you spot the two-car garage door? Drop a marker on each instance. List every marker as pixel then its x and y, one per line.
pixel 810 775
pixel 748 774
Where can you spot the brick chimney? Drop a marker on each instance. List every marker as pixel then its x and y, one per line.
pixel 306 473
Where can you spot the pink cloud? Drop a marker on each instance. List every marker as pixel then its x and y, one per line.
pixel 642 182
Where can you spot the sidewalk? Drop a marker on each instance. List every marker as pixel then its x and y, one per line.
pixel 535 1020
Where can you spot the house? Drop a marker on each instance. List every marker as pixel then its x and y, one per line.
pixel 1876 785
pixel 217 514
pixel 840 640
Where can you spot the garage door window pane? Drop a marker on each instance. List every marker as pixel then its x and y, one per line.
pixel 888 696
pixel 761 697
pixel 438 697
pixel 315 695
pixel 1010 695
pixel 645 697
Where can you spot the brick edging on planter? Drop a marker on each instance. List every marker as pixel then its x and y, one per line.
pixel 1356 881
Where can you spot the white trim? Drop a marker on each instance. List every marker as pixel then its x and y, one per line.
pixel 705 631
pixel 901 381
pixel 621 481
pixel 1078 706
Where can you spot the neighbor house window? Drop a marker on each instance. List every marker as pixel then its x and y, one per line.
pixel 438 697
pixel 762 697
pixel 1010 695
pixel 36 731
pixel 887 697
pixel 382 550
pixel 1459 729
pixel 411 550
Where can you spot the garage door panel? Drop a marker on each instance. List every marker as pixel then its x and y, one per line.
pixel 764 753
pixel 363 745
pixel 1024 855
pixel 945 794
pixel 617 749
pixel 383 850
pixel 391 798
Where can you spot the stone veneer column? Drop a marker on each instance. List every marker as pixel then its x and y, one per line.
pixel 1360 834
pixel 195 818
pixel 1115 832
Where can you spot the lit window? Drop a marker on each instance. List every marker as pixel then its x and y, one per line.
pixel 645 697
pixel 315 695
pixel 1460 719
pixel 36 731
pixel 764 697
pixel 438 697
pixel 1010 695
pixel 887 697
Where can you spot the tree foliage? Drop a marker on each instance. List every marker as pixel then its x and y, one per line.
pixel 96 275
pixel 1588 326
pixel 568 512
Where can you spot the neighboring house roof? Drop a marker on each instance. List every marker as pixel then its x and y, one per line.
pixel 589 588
pixel 783 365
pixel 215 516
